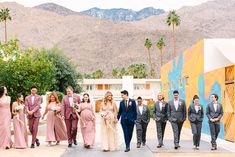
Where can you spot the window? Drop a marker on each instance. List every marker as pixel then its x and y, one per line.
pixel 107 87
pixel 180 82
pixel 100 87
pixel 139 86
pixel 186 80
pixel 89 87
pixel 164 87
pixel 147 86
pixel 169 86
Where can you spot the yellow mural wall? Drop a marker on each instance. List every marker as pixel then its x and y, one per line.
pixel 185 73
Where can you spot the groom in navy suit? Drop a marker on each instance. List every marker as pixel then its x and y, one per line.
pixel 127 110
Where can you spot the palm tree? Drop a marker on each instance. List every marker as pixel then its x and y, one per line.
pixel 115 73
pixel 98 74
pixel 160 44
pixel 148 45
pixel 4 16
pixel 174 20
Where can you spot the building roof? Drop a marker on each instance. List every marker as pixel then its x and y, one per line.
pixel 117 81
pixel 218 53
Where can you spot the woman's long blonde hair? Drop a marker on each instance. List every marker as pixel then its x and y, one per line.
pixel 106 97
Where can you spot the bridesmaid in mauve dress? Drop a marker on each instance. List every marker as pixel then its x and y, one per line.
pixel 56 130
pixel 87 121
pixel 20 129
pixel 5 119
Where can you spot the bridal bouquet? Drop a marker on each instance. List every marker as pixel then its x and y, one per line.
pixel 54 109
pixel 18 108
pixel 75 106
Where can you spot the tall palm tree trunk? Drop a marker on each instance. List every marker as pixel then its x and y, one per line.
pixel 174 40
pixel 161 57
pixel 5 22
pixel 150 63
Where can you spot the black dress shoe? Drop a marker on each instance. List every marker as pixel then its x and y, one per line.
pixel 70 145
pixel 75 142
pixel 105 150
pixel 138 146
pixel 159 146
pixel 127 150
pixel 32 146
pixel 176 147
pixel 37 142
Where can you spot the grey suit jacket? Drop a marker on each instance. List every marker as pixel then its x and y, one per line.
pixel 211 113
pixel 178 115
pixel 194 116
pixel 160 115
pixel 145 116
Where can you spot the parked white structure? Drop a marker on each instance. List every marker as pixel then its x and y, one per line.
pixel 146 88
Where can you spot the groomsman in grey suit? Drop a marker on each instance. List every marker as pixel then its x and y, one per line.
pixel 177 115
pixel 214 112
pixel 143 117
pixel 195 116
pixel 160 116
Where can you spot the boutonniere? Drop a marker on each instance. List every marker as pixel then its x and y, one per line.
pixel 144 109
pixel 130 104
pixel 180 103
pixel 199 108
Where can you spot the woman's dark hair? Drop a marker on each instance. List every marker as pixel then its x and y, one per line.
pixel 216 96
pixel 195 97
pixel 88 98
pixel 2 91
pixel 19 95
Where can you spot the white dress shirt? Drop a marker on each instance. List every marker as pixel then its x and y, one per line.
pixel 160 105
pixel 33 97
pixel 141 109
pixel 176 103
pixel 71 100
pixel 196 108
pixel 215 106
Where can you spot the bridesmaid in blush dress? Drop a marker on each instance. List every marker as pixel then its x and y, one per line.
pixel 5 119
pixel 56 130
pixel 87 121
pixel 20 129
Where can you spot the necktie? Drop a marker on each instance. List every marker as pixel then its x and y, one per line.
pixel 126 104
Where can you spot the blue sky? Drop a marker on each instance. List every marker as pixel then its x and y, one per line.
pixel 80 5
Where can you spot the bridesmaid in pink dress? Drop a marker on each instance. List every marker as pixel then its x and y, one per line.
pixel 5 119
pixel 20 129
pixel 87 121
pixel 56 130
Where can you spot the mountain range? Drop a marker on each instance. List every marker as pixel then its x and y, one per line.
pixel 94 43
pixel 115 14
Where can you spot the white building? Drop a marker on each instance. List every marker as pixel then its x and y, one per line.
pixel 146 88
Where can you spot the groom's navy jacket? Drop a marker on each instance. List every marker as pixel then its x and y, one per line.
pixel 127 112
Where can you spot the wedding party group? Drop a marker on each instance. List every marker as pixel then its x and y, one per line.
pixel 62 119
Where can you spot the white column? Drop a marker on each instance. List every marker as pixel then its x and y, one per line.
pixel 128 84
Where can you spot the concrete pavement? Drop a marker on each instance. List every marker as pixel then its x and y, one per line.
pixel 150 150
